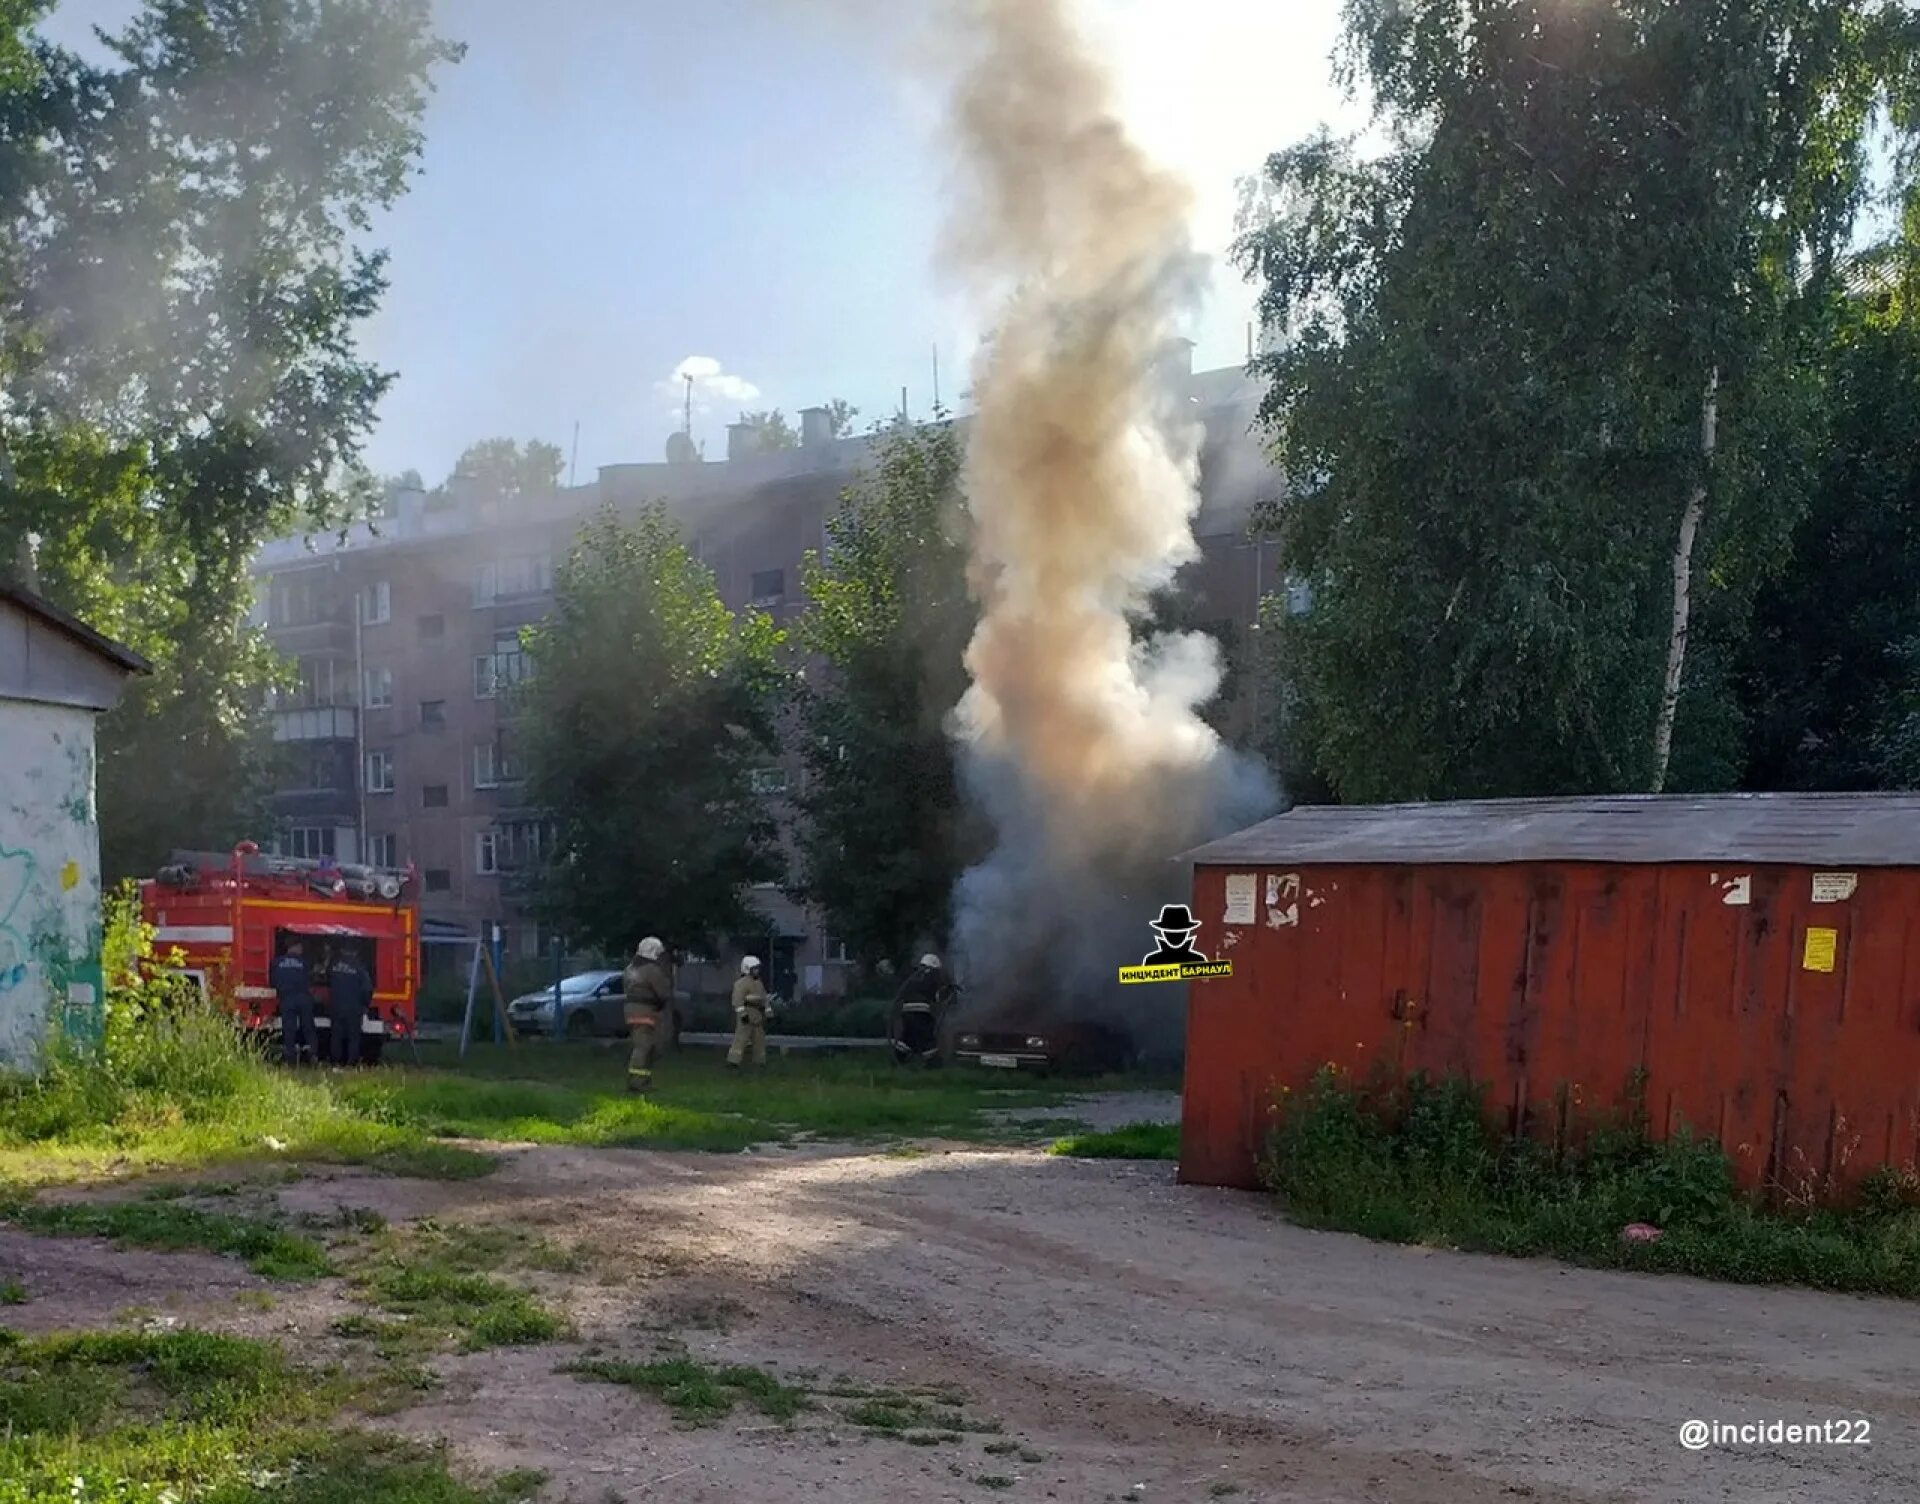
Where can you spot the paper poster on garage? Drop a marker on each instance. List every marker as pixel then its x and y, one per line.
pixel 1834 887
pixel 1242 888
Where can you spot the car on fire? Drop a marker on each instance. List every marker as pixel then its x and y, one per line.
pixel 1019 1039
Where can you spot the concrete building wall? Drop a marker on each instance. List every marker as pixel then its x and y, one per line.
pixel 49 873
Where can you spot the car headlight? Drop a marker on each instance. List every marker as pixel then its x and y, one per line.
pixel 969 1041
pixel 1036 1042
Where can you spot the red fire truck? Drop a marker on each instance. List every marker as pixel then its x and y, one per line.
pixel 228 917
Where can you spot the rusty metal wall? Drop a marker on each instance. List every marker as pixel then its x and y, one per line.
pixel 1556 983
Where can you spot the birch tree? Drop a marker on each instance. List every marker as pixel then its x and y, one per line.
pixel 1490 342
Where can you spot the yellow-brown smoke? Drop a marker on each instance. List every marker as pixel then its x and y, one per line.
pixel 1084 742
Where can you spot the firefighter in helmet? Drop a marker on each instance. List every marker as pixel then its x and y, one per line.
pixel 648 986
pixel 751 1005
pixel 917 1007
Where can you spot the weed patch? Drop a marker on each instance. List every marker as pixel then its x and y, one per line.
pixel 1134 1141
pixel 1417 1161
pixel 698 1393
pixel 270 1251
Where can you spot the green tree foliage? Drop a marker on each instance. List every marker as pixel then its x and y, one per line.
pixel 1828 673
pixel 840 416
pixel 648 709
pixel 500 467
pixel 771 430
pixel 180 290
pixel 889 621
pixel 1495 339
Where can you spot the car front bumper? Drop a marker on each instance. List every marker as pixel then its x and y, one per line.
pixel 1005 1060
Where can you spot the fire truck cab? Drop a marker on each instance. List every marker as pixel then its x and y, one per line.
pixel 222 921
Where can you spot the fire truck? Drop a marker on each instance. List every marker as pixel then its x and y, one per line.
pixel 222 921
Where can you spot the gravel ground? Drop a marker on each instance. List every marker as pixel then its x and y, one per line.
pixel 1140 1339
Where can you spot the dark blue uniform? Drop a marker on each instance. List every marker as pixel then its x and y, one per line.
pixel 296 1009
pixel 352 990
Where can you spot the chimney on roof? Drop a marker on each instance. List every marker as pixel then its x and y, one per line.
pixel 816 427
pixel 742 440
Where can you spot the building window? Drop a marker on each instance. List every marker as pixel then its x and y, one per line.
pixel 517 844
pixel 380 772
pixel 433 796
pixel 512 579
pixel 505 665
pixel 383 850
pixel 298 599
pixel 310 842
pixel 486 853
pixel 769 587
pixel 493 765
pixel 768 780
pixel 376 603
pixel 378 689
pixel 433 712
pixel 437 879
pixel 317 682
pixel 433 628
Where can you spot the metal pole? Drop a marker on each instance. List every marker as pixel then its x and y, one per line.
pixel 559 971
pixel 473 988
pixel 573 464
pixel 495 952
pixel 936 377
pixel 360 720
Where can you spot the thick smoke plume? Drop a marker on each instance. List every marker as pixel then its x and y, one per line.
pixel 1082 742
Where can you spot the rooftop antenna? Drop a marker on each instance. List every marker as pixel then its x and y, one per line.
pixel 686 416
pixel 573 464
pixel 903 404
pixel 936 375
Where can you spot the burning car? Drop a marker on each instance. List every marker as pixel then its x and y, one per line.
pixel 1017 1038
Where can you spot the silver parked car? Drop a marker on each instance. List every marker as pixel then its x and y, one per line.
pixel 591 1002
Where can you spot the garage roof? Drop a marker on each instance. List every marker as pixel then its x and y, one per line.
pixel 1854 830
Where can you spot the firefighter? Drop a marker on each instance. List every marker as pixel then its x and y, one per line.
pixel 352 990
pixel 916 1011
pixel 649 994
pixel 290 986
pixel 751 1005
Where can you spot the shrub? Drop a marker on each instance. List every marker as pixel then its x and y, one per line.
pixel 1418 1161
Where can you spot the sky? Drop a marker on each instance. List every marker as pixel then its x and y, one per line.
pixel 612 189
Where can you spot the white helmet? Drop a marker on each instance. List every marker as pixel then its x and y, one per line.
pixel 749 963
pixel 930 961
pixel 650 949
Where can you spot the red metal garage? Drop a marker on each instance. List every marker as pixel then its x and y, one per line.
pixel 1755 954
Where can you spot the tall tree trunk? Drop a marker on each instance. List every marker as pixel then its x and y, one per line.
pixel 1683 584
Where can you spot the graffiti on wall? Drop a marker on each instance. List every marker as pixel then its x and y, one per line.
pixel 16 876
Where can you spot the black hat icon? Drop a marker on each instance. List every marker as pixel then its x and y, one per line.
pixel 1177 918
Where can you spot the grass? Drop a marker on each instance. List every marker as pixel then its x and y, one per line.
pixel 186 1091
pixel 1134 1141
pixel 147 1418
pixel 699 1394
pixel 270 1250
pixel 431 1282
pixel 12 1293
pixel 1417 1162
pixel 572 1093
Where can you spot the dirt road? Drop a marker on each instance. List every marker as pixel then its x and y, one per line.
pixel 1135 1339
pixel 1134 1332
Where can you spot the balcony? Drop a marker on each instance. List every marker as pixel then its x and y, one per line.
pixel 319 723
pixel 313 638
